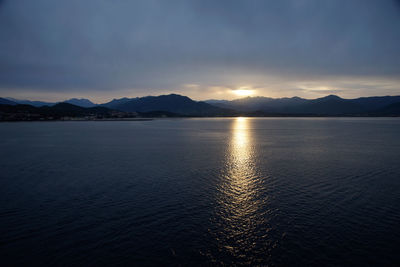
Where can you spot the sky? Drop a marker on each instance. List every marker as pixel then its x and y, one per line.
pixel 205 49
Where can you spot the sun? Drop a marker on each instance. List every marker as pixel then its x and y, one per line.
pixel 243 91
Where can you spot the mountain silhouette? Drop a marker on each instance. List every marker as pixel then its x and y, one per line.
pixel 32 103
pixel 5 101
pixel 174 105
pixel 390 110
pixel 82 102
pixel 169 103
pixel 326 106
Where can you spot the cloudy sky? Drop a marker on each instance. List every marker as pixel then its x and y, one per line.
pixel 205 49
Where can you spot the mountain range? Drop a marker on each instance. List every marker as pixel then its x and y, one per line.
pixel 330 105
pixel 82 102
pixel 171 103
pixel 174 105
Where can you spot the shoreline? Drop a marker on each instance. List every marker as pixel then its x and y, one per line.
pixel 230 117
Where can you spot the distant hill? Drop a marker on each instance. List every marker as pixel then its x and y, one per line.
pixel 266 104
pixel 117 102
pixel 390 110
pixel 68 111
pixel 173 103
pixel 5 101
pixel 329 105
pixel 376 102
pixel 32 103
pixel 82 102
pixel 57 111
pixel 325 106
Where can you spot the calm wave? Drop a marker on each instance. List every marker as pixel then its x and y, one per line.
pixel 201 192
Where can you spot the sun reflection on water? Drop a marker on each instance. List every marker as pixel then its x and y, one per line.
pixel 238 211
pixel 241 171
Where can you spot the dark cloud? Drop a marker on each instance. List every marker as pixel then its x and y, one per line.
pixel 148 46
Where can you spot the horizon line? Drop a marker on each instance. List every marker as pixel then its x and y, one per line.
pixel 212 99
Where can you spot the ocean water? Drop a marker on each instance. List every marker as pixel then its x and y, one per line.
pixel 274 191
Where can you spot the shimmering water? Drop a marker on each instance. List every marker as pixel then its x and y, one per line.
pixel 201 192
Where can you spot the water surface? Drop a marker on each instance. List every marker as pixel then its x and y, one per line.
pixel 276 192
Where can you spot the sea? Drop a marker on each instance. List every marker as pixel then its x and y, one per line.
pixel 201 192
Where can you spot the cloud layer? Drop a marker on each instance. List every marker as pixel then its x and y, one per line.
pixel 104 48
